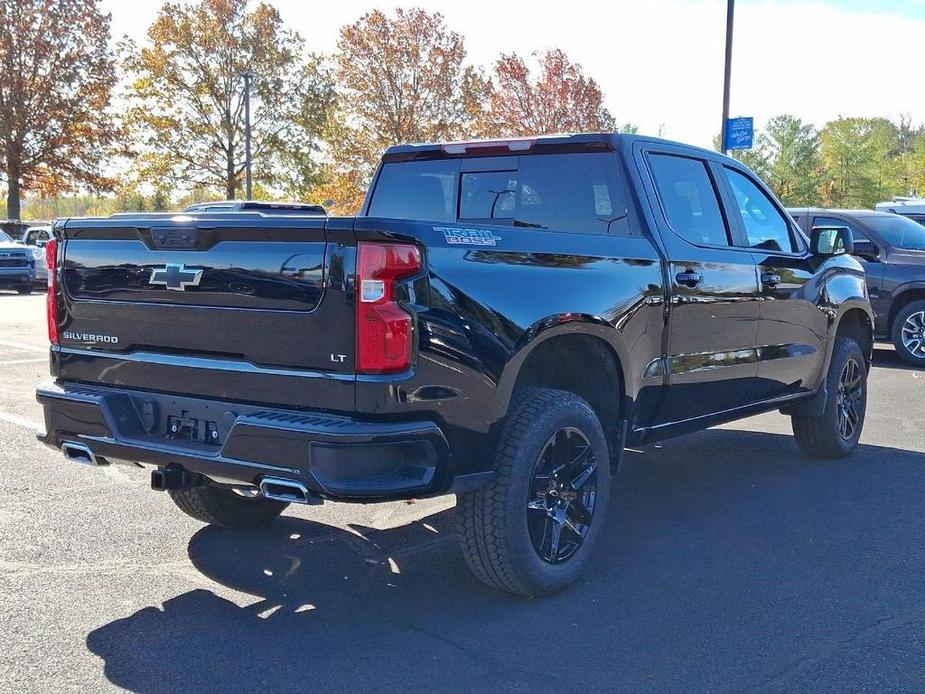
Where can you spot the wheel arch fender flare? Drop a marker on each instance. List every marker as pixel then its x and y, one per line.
pixel 559 325
pixel 815 406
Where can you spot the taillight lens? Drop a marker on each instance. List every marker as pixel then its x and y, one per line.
pixel 51 300
pixel 383 327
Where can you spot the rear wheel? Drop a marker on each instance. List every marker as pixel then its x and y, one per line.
pixel 835 434
pixel 909 333
pixel 533 529
pixel 224 507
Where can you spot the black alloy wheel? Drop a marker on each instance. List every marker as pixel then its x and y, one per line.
pixel 849 399
pixel 562 497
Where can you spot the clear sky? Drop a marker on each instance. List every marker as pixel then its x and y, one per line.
pixel 660 62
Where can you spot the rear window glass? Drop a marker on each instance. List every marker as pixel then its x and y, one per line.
pixel 576 193
pixel 421 190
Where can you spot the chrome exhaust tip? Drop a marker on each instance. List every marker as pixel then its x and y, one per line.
pixel 81 453
pixel 288 491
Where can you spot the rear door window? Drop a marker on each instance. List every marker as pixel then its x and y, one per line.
pixel 689 199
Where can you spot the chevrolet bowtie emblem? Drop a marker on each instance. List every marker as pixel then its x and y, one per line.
pixel 176 277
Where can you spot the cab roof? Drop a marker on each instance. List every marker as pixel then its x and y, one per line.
pixel 539 144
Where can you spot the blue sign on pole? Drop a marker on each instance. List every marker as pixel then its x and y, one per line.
pixel 740 133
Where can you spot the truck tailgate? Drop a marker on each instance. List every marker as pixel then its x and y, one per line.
pixel 238 306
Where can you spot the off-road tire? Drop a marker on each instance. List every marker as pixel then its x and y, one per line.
pixel 492 521
pixel 896 334
pixel 223 507
pixel 819 437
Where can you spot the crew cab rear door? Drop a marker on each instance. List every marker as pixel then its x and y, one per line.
pixel 713 309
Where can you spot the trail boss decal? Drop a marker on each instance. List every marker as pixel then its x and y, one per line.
pixel 469 237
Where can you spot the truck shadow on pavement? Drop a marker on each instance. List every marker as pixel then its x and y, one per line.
pixel 730 562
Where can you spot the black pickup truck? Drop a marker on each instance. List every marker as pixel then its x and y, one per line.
pixel 499 322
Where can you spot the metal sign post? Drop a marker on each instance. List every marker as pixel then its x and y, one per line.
pixel 730 8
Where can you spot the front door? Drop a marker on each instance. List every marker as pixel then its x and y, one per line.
pixel 791 328
pixel 711 362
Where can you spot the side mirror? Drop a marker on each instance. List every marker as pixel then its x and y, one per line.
pixel 829 241
pixel 864 248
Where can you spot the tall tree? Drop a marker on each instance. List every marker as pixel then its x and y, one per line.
pixel 56 78
pixel 187 97
pixel 856 163
pixel 557 97
pixel 758 158
pixel 793 155
pixel 400 78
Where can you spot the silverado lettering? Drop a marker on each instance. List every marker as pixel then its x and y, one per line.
pixel 89 337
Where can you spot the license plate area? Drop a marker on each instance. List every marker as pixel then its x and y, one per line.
pixel 184 427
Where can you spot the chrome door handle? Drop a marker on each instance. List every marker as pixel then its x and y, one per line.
pixel 770 279
pixel 689 279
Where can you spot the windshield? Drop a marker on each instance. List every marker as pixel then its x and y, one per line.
pixel 899 232
pixel 4 237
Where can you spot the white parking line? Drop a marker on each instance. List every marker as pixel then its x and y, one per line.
pixel 25 346
pixel 19 421
pixel 111 471
pixel 24 361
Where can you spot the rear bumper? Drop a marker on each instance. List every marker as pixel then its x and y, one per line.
pixel 334 457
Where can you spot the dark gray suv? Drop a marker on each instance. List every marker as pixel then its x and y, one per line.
pixel 892 249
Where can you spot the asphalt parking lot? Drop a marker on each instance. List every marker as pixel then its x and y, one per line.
pixel 732 563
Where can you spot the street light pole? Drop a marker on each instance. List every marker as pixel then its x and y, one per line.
pixel 730 8
pixel 248 182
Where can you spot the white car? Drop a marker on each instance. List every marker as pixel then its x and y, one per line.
pixel 914 208
pixel 36 237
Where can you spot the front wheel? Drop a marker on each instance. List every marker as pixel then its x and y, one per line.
pixel 835 434
pixel 533 529
pixel 909 334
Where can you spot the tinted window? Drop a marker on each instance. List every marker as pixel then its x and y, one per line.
pixel 423 190
pixel 689 199
pixel 765 227
pixel 4 238
pixel 832 222
pixel 577 193
pixel 900 232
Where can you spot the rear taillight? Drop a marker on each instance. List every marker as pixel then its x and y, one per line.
pixel 51 300
pixel 383 327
